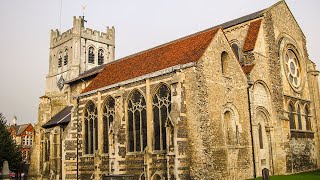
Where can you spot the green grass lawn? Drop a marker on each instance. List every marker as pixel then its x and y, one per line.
pixel 312 175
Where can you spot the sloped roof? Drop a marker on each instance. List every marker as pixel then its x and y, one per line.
pixel 243 19
pixel 181 51
pixel 252 36
pixel 61 118
pixel 19 129
pixel 88 73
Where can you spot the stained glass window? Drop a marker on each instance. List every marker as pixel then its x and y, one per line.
pixel 161 109
pixel 137 122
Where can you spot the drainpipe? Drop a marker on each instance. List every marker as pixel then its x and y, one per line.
pixel 250 83
pixel 77 137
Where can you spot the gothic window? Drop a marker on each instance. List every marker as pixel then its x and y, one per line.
pixel 291 117
pixel 91 128
pixel 292 68
pixel 47 149
pixel 161 104
pixel 224 62
pixel 235 49
pixel 299 118
pixel 100 57
pixel 108 118
pixel 91 55
pixel 137 122
pixel 65 62
pixel 60 59
pixel 308 123
pixel 260 136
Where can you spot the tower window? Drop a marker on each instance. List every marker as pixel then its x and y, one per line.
pixel 91 55
pixel 60 59
pixel 137 122
pixel 65 62
pixel 161 110
pixel 100 57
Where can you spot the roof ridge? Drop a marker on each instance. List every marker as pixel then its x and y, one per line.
pixel 166 44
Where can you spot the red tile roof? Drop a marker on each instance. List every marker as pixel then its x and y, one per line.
pixel 181 51
pixel 247 68
pixel 252 35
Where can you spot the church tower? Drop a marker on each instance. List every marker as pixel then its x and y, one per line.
pixel 75 51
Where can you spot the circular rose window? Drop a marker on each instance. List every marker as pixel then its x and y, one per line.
pixel 293 68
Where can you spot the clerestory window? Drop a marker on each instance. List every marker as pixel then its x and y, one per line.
pixel 161 105
pixel 91 128
pixel 108 118
pixel 137 122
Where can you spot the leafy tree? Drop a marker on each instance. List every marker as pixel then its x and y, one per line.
pixel 8 149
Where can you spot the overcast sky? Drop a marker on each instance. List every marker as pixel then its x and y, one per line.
pixel 140 24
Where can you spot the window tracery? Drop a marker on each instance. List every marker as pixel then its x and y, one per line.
pixel 60 59
pixel 65 62
pixel 292 68
pixel 137 122
pixel 161 109
pixel 91 128
pixel 100 57
pixel 108 118
pixel 91 55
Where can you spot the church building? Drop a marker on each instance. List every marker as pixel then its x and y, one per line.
pixel 223 103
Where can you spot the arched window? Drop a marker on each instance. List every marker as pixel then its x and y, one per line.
pixel 260 136
pixel 161 105
pixel 230 128
pixel 224 62
pixel 299 118
pixel 137 122
pixel 91 128
pixel 91 55
pixel 100 57
pixel 308 123
pixel 235 49
pixel 108 117
pixel 65 62
pixel 291 117
pixel 60 59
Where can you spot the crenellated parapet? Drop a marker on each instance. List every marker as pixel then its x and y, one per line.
pixel 78 30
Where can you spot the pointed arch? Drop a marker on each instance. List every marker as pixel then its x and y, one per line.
pixel 161 108
pixel 291 111
pixel 108 115
pixel 137 122
pixel 299 115
pixel 91 53
pixel 91 127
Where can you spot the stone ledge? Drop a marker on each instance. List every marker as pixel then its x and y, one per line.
pixel 298 134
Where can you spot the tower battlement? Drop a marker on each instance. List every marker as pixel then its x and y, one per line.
pixel 78 30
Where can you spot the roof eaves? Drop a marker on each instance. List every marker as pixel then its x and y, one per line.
pixel 150 75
